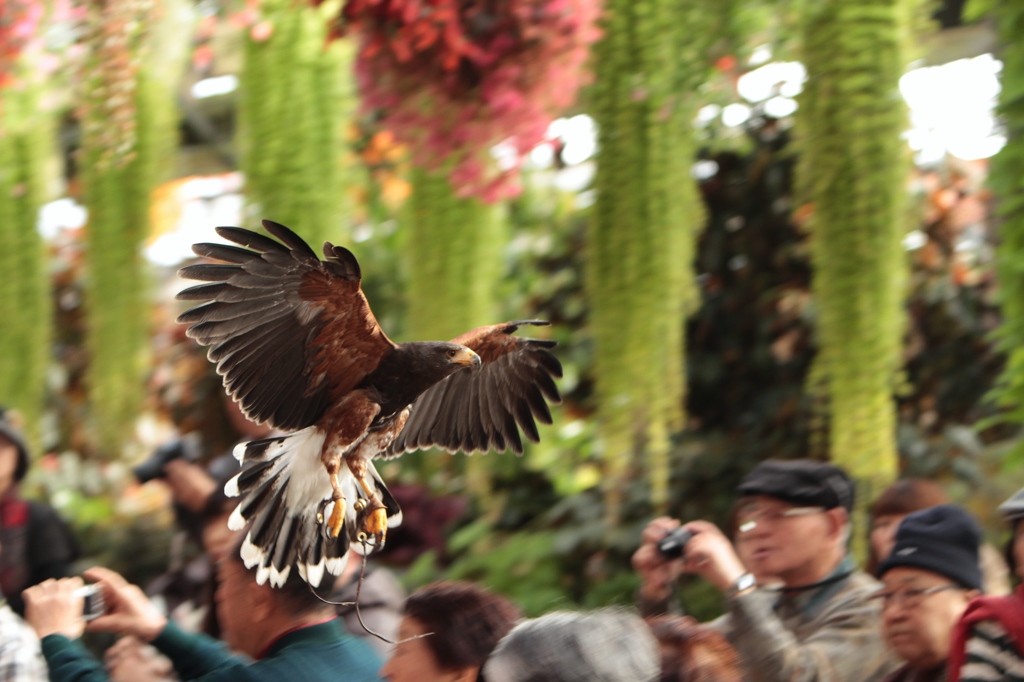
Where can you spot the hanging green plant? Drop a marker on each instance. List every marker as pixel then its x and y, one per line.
pixel 25 135
pixel 296 106
pixel 646 219
pixel 453 256
pixel 128 132
pixel 853 172
pixel 1007 182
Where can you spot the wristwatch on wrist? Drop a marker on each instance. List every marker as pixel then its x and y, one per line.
pixel 743 583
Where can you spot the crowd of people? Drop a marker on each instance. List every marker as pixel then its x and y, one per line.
pixel 934 602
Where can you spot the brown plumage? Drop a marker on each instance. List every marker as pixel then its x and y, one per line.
pixel 298 347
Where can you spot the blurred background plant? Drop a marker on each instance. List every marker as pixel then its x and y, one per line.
pixel 654 217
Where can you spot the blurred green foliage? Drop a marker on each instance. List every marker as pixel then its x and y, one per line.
pixel 541 533
pixel 1007 180
pixel 26 141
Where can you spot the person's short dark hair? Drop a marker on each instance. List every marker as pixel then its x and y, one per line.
pixel 466 620
pixel 10 432
pixel 803 482
pixel 610 645
pixel 943 540
pixel 295 595
pixel 903 497
pixel 907 496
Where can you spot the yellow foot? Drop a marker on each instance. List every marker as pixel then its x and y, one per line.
pixel 373 518
pixel 337 520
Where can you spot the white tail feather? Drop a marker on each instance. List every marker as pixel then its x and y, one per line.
pixel 287 499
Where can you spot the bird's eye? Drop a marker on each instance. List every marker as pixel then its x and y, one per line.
pixel 451 352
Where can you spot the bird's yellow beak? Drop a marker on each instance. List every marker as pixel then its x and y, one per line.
pixel 468 358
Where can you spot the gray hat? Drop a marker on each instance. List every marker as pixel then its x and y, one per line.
pixel 1013 509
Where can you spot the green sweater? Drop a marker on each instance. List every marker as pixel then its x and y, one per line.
pixel 317 652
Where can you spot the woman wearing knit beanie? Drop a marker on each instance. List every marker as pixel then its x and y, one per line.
pixel 988 642
pixel 929 578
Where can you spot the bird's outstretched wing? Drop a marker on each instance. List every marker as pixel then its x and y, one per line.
pixel 476 410
pixel 289 333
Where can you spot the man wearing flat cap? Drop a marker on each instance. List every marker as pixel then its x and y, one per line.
pixel 798 608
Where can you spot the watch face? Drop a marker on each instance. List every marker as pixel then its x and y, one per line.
pixel 744 582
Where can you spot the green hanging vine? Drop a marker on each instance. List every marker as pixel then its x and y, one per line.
pixel 1007 181
pixel 295 104
pixel 453 261
pixel 642 234
pixel 128 128
pixel 453 256
pixel 25 308
pixel 853 170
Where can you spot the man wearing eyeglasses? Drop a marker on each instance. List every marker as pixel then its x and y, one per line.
pixel 928 580
pixel 798 608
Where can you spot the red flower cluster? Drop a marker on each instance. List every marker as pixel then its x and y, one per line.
pixel 454 78
pixel 18 22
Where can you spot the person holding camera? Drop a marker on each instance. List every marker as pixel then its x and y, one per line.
pixel 37 543
pixel 817 621
pixel 282 633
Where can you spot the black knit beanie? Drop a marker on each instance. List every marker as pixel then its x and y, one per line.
pixel 943 540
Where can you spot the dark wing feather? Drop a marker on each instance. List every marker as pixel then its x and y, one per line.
pixel 289 333
pixel 476 410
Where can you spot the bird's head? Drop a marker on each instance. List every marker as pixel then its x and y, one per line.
pixel 457 355
pixel 441 358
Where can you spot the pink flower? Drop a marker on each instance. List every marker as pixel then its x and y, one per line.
pixel 452 78
pixel 262 31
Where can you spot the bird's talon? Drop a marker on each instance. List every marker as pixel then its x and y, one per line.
pixel 376 522
pixel 337 519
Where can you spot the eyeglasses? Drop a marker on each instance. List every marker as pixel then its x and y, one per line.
pixel 747 518
pixel 911 597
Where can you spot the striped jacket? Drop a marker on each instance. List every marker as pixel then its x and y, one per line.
pixel 992 655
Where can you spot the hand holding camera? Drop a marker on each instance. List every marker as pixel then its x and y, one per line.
pixel 67 606
pixel 669 549
pixel 657 571
pixel 186 448
pixel 54 607
pixel 127 608
pixel 673 545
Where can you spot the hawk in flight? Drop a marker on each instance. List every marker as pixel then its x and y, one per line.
pixel 298 347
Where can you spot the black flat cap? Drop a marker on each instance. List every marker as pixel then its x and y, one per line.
pixel 803 482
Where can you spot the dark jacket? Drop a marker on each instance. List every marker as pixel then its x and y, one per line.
pixel 37 545
pixel 317 652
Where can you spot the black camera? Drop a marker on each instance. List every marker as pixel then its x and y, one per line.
pixel 186 447
pixel 673 545
pixel 93 606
